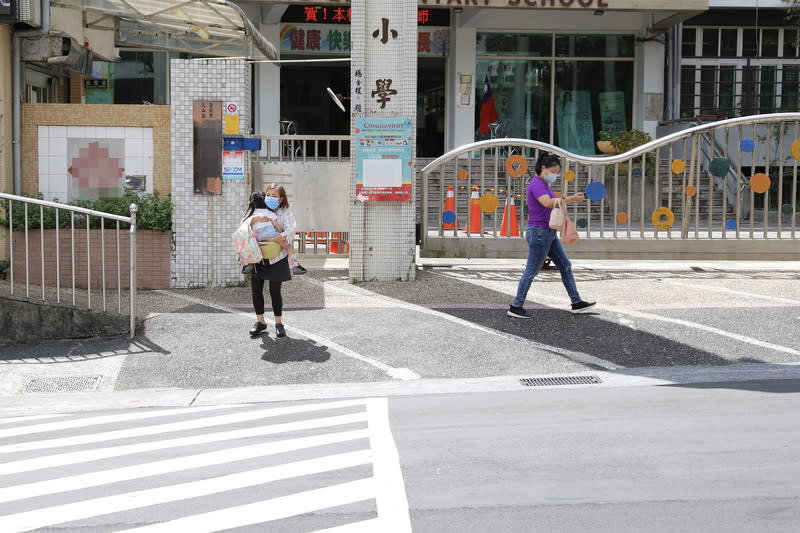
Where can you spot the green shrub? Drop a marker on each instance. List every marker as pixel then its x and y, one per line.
pixel 154 213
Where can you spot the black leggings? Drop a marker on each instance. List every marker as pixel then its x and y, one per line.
pixel 257 285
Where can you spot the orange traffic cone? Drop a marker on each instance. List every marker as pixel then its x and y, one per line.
pixel 510 210
pixel 475 213
pixel 450 205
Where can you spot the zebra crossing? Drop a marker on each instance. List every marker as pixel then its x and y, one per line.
pixel 321 466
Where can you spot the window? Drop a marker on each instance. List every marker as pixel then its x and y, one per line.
pixel 741 71
pixel 558 88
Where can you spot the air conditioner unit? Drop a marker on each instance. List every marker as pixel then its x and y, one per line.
pixel 57 49
pixel 29 12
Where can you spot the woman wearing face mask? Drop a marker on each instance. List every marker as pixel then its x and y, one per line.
pixel 272 221
pixel 542 240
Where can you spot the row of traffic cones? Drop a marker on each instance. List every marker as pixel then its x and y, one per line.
pixel 509 226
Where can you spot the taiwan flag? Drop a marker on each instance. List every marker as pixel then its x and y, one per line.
pixel 488 111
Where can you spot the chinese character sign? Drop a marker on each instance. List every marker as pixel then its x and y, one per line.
pixel 332 39
pixel 383 159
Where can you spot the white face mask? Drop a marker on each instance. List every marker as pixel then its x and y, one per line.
pixel 550 178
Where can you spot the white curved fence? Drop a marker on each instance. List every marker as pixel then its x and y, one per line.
pixel 725 190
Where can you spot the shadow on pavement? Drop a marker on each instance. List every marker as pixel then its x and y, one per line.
pixel 61 351
pixel 288 350
pixel 587 333
pixel 778 386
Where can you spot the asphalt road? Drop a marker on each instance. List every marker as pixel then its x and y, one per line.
pixel 688 457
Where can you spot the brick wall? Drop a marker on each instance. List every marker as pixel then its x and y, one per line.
pixel 153 116
pixel 152 258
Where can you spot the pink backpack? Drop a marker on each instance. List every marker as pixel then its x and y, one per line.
pixel 245 244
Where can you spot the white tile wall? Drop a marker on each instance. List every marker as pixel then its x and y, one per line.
pixel 203 224
pixel 54 162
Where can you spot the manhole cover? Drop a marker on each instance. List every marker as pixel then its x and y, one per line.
pixel 63 384
pixel 553 382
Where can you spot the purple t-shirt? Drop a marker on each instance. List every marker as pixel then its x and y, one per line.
pixel 538 215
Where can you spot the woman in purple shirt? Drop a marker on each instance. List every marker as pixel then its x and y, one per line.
pixel 543 241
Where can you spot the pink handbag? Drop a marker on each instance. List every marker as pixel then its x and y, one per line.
pixel 569 233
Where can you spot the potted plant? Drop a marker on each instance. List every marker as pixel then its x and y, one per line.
pixel 627 141
pixel 604 143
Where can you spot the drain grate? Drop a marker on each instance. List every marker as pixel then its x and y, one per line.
pixel 63 384
pixel 556 381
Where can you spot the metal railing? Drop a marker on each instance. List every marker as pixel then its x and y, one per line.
pixel 302 148
pixel 665 188
pixel 83 217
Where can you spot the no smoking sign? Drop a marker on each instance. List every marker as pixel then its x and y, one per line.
pixel 232 109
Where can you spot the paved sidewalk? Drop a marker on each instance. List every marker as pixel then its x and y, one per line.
pixel 450 324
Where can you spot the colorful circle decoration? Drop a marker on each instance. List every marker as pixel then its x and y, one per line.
pixel 759 182
pixel 489 202
pixel 719 167
pixel 663 218
pixel 691 190
pixel 569 175
pixel 747 145
pixel 636 172
pixel 796 149
pixel 448 217
pixel 516 166
pixel 730 224
pixel 622 218
pixel 678 166
pixel 581 223
pixel 595 191
pixel 786 209
pixel 463 174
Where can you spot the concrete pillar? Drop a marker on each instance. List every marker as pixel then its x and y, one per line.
pixel 461 118
pixel 654 54
pixel 383 87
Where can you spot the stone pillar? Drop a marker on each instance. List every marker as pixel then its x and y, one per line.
pixel 383 48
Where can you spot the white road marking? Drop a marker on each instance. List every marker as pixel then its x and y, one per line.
pixel 29 418
pixel 246 416
pixel 694 325
pixel 268 510
pixel 391 497
pixel 730 291
pixel 396 373
pixel 127 473
pixel 85 456
pixel 702 327
pixel 569 354
pixel 58 514
pixel 108 419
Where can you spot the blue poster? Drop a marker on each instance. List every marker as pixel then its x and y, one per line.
pixel 574 122
pixel 383 159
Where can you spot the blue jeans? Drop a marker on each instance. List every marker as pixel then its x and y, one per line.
pixel 541 243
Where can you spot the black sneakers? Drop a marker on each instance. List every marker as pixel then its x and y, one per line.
pixel 257 328
pixel 299 270
pixel 519 312
pixel 279 331
pixel 248 269
pixel 582 307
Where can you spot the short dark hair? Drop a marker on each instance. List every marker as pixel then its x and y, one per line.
pixel 546 161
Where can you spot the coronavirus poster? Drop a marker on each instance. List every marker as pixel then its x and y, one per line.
pixel 383 159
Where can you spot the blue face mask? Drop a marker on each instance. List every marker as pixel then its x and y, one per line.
pixel 272 202
pixel 550 178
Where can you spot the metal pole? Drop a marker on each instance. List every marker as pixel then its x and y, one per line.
pixel 134 210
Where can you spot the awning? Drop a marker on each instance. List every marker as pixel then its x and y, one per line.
pixel 204 27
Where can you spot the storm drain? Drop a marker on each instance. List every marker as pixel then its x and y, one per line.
pixel 556 381
pixel 63 384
